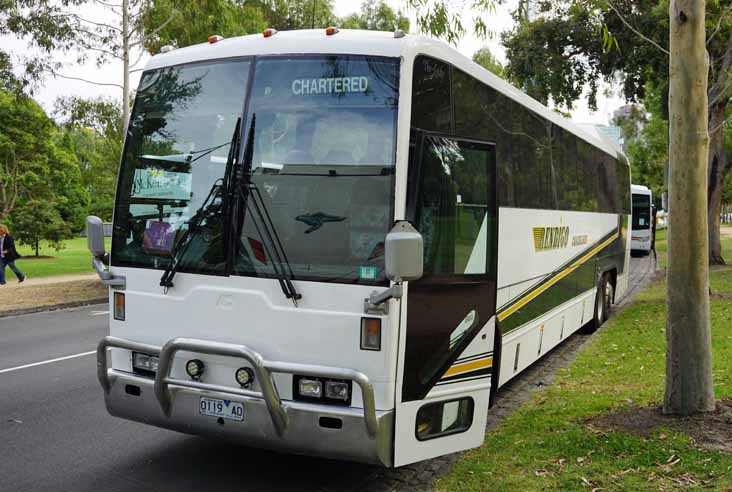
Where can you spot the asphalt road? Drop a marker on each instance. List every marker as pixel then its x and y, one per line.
pixel 55 434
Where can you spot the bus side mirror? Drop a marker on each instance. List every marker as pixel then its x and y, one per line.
pixel 95 236
pixel 404 252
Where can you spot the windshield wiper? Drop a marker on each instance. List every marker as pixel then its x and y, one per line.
pixel 267 232
pixel 215 203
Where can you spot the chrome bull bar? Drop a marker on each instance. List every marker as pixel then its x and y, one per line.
pixel 263 370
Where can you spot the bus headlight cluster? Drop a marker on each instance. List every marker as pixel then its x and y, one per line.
pixel 322 390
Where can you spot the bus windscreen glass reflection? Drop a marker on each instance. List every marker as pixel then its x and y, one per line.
pixel 177 146
pixel 323 163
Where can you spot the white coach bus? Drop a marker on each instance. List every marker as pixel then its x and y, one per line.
pixel 342 243
pixel 642 227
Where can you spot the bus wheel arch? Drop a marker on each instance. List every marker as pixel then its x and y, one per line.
pixel 604 296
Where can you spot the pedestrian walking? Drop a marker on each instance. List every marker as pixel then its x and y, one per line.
pixel 8 255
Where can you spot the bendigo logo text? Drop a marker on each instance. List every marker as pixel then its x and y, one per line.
pixel 550 237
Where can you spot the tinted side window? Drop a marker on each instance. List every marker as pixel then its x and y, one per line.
pixel 587 176
pixel 623 176
pixel 431 105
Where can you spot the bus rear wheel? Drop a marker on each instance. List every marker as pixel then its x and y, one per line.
pixel 603 303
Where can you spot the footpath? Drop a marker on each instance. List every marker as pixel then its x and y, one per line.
pixel 49 293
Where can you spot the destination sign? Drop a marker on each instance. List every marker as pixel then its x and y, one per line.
pixel 330 85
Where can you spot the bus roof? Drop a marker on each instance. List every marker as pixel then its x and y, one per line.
pixel 639 189
pixel 374 43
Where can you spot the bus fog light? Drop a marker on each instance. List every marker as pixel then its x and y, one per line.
pixel 145 362
pixel 244 376
pixel 336 390
pixel 195 368
pixel 312 388
pixel 370 334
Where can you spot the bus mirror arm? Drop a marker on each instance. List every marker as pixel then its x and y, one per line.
pixel 376 302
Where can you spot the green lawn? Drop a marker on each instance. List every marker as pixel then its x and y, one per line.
pixel 549 445
pixel 73 258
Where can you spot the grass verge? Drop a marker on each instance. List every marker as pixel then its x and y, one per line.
pixel 550 444
pixel 74 258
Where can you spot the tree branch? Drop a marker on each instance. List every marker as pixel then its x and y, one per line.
pixel 719 24
pixel 636 31
pixel 156 30
pixel 55 74
pixel 110 5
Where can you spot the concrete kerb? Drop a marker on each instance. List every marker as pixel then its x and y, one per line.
pixel 52 307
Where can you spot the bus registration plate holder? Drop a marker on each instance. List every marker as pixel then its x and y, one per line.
pixel 215 407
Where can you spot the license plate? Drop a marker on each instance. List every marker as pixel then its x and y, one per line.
pixel 213 407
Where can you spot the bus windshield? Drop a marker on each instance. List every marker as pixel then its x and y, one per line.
pixel 641 211
pixel 323 155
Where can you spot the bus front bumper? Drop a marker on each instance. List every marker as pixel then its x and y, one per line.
pixel 364 435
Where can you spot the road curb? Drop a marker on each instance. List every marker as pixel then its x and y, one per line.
pixel 53 307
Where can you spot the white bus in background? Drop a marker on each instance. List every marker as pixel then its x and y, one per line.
pixel 642 231
pixel 342 243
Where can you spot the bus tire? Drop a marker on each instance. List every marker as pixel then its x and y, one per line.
pixel 603 301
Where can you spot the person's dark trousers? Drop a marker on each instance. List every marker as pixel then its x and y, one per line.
pixel 5 262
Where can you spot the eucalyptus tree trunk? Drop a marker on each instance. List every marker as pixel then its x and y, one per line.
pixel 689 386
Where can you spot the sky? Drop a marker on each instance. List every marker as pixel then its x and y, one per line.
pixel 112 72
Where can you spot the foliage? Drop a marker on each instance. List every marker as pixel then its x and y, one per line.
pixel 376 15
pixel 648 147
pixel 445 18
pixel 485 58
pixel 565 51
pixel 46 26
pixel 25 143
pixel 40 220
pixel 298 14
pixel 94 128
pixel 193 22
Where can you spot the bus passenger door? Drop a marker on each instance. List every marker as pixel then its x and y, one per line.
pixel 447 326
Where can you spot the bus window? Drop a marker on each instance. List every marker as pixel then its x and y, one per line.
pixel 177 145
pixel 323 162
pixel 453 208
pixel 641 212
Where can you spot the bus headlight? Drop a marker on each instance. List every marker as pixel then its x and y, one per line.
pixel 336 390
pixel 244 376
pixel 195 368
pixel 310 388
pixel 144 362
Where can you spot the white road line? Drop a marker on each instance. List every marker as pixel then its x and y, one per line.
pixel 99 313
pixel 50 361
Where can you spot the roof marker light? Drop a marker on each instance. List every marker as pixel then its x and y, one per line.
pixel 399 34
pixel 329 31
pixel 167 48
pixel 269 32
pixel 215 38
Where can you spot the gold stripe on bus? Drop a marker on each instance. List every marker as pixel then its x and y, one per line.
pixel 468 366
pixel 533 294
